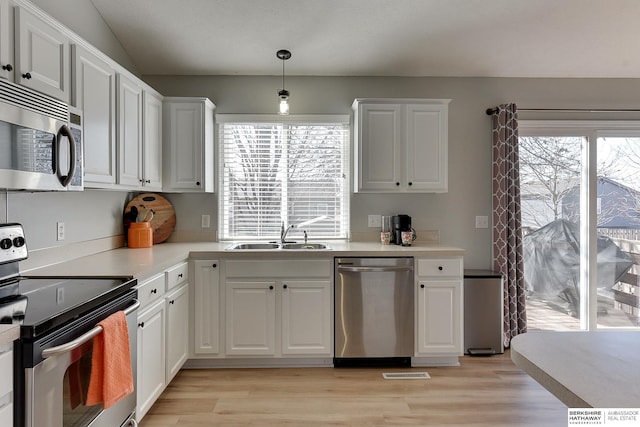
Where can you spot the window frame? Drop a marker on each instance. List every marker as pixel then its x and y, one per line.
pixel 301 119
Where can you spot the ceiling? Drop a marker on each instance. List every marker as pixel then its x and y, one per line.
pixel 479 38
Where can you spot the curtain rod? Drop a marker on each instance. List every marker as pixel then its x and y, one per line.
pixel 491 111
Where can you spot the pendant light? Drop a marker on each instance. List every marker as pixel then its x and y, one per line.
pixel 283 54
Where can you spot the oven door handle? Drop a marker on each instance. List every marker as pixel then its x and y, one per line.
pixel 71 345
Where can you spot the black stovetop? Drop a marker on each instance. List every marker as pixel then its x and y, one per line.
pixel 41 305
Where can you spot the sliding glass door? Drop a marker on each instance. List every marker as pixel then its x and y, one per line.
pixel 618 226
pixel 580 197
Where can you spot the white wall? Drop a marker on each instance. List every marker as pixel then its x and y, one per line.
pixel 87 215
pixel 452 214
pixel 82 18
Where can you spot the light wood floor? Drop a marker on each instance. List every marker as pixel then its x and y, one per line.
pixel 483 391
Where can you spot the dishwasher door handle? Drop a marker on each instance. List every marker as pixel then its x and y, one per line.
pixel 374 269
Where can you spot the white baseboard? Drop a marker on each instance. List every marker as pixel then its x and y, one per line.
pixel 297 362
pixel 434 361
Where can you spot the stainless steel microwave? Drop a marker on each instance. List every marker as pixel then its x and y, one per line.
pixel 40 141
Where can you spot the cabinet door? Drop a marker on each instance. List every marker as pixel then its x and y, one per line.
pixel 6 40
pixel 129 132
pixel 151 357
pixel 94 93
pixel 379 147
pixel 42 56
pixel 184 145
pixel 177 330
pixel 439 317
pixel 425 129
pixel 250 318
pixel 206 307
pixel 152 146
pixel 306 317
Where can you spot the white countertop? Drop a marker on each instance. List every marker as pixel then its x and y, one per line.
pixel 596 369
pixel 145 262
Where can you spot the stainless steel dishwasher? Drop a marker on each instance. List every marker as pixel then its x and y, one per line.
pixel 374 311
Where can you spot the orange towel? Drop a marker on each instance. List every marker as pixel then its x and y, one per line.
pixel 111 375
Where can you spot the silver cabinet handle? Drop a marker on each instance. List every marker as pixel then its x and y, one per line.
pixel 71 345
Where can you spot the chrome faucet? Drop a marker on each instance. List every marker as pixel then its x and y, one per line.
pixel 284 231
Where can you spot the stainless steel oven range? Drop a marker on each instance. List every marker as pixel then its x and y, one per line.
pixel 52 357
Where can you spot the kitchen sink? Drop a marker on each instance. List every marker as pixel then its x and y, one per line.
pixel 254 246
pixel 305 246
pixel 275 246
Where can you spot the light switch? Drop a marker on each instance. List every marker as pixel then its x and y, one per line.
pixel 374 221
pixel 482 222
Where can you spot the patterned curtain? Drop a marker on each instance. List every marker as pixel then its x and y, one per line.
pixel 507 230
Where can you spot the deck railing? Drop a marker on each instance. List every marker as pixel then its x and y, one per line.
pixel 627 290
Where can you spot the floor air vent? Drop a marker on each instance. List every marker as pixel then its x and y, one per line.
pixel 406 376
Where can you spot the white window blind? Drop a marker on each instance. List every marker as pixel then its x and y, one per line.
pixel 290 170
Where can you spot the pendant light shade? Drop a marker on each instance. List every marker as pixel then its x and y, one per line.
pixel 283 94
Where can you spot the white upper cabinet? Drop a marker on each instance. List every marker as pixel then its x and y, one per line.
pixel 152 142
pixel 94 92
pixel 7 64
pixel 129 132
pixel 188 145
pixel 41 55
pixel 400 145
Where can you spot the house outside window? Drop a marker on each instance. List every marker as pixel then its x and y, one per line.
pixel 275 170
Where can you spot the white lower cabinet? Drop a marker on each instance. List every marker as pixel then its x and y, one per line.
pixel 151 357
pixel 163 331
pixel 263 309
pixel 177 306
pixel 206 307
pixel 251 313
pixel 301 308
pixel 306 317
pixel 439 319
pixel 6 384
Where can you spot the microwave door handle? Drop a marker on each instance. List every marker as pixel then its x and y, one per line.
pixel 65 180
pixel 71 345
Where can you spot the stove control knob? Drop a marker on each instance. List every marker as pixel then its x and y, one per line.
pixel 5 243
pixel 18 242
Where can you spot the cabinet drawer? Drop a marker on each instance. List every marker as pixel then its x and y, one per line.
pixel 151 290
pixel 177 275
pixel 6 373
pixel 440 267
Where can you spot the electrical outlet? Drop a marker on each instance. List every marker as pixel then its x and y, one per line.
pixel 482 222
pixel 206 221
pixel 60 230
pixel 374 221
